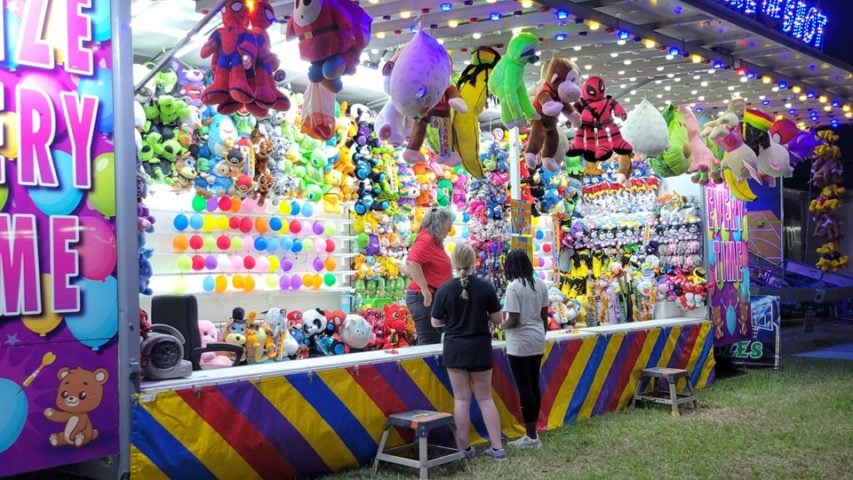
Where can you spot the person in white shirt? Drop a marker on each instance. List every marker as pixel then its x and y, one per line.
pixel 526 308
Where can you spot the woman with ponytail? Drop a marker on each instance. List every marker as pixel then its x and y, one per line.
pixel 464 306
pixel 526 303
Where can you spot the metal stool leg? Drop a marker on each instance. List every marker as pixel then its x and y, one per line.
pixel 381 447
pixel 423 458
pixel 692 393
pixel 673 396
pixel 637 391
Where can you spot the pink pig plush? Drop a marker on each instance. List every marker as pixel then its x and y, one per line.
pixel 209 334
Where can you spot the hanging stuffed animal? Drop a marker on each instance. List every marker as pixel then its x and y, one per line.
pixel 439 118
pixel 701 157
pixel 559 91
pixel 233 51
pixel 507 80
pixel 675 160
pixel 332 35
pixel 598 136
pixel 737 164
pixel 473 88
pixel 420 76
pixel 267 94
pixel 646 130
pixel 390 125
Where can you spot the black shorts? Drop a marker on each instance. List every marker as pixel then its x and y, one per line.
pixel 469 354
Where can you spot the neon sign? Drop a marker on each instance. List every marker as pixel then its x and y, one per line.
pixel 795 18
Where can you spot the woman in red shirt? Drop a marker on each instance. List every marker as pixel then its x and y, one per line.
pixel 429 266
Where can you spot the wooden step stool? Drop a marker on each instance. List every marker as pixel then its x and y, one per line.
pixel 422 422
pixel 672 376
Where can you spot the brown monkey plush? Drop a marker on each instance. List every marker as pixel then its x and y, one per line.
pixel 559 91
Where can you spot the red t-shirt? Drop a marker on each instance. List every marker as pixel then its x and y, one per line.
pixel 433 261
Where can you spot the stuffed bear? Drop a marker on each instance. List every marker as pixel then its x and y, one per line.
pixel 209 334
pixel 559 91
pixel 332 34
pixel 598 136
pixel 80 392
pixel 233 50
pixel 234 331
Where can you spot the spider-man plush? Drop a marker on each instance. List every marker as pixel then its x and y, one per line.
pixel 233 48
pixel 598 137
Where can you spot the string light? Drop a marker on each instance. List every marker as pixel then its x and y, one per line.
pixel 405 14
pixel 792 111
pixel 810 94
pixel 627 62
pixel 476 35
pixel 822 99
pixel 845 108
pixel 446 7
pixel 740 71
pixel 373 2
pixel 526 3
pixel 836 103
pixel 674 51
pixel 622 35
pixel 380 35
pixel 797 89
pixel 494 16
pixel 593 25
pixel 560 37
pixel 848 115
pixel 765 79
pixel 453 23
pixel 802 98
pixel 782 84
pixel 718 64
pixel 516 30
pixel 696 58
pixel 827 108
pixel 649 43
pixel 562 14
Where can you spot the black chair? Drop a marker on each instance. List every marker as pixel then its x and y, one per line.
pixel 181 312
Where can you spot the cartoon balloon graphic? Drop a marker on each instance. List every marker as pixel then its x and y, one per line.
pixel 103 192
pixel 14 413
pixel 48 320
pixel 100 15
pixel 13 26
pixel 63 199
pixel 100 85
pixel 97 248
pixel 97 322
pixel 731 319
pixel 4 196
pixel 9 120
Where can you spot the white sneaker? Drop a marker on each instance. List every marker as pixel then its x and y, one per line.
pixel 526 442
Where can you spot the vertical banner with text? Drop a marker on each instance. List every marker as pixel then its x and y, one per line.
pixel 728 259
pixel 58 290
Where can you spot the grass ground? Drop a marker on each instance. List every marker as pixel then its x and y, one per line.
pixel 757 423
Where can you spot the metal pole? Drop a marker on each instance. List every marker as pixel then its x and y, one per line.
pixel 171 53
pixel 126 241
pixel 514 165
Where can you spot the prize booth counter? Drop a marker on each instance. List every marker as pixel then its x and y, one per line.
pixel 315 416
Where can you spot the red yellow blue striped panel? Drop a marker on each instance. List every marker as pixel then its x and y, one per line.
pixel 308 424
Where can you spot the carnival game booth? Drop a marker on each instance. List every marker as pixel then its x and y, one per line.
pixel 282 169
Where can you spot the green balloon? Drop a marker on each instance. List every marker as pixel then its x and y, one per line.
pixel 236 243
pixel 199 203
pixel 362 240
pixel 308 245
pixel 4 196
pixel 103 195
pixel 329 228
pixel 329 279
pixel 209 243
pixel 184 263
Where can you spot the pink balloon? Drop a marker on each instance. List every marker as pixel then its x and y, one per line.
pixel 97 248
pixel 262 264
pixel 248 243
pixel 236 262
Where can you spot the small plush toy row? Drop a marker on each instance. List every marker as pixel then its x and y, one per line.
pixel 242 61
pixel 332 34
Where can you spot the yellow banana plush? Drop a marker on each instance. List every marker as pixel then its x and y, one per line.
pixel 473 88
pixel 740 188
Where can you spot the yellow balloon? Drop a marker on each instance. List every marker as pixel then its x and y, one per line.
pixel 9 122
pixel 180 285
pixel 274 264
pixel 271 280
pixel 47 321
pixel 450 247
pixel 284 208
pixel 208 223
pixel 221 222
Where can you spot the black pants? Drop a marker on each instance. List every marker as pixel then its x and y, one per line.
pixel 526 373
pixel 427 334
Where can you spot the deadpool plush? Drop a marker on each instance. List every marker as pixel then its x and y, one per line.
pixel 598 136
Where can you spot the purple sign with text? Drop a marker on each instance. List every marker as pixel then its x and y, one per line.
pixel 728 259
pixel 58 291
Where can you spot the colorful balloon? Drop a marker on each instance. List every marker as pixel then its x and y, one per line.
pixel 180 242
pixel 248 283
pixel 261 225
pixel 209 243
pixel 284 282
pixel 224 204
pixel 184 263
pixel 307 209
pixel 198 263
pixel 210 204
pixel 273 263
pixel 260 244
pixel 100 86
pixel 329 279
pixel 103 194
pixel 286 264
pixel 223 242
pixel 295 282
pixel 63 199
pixel 234 223
pixel 15 406
pixel 295 227
pixel 236 243
pixel 196 242
pixel 181 222
pixel 317 263
pixel 222 222
pixel 196 222
pixel 210 262
pixel 262 264
pixel 208 284
pixel 286 243
pixel 48 320
pixel 275 224
pixel 317 227
pixel 236 205
pixel 271 281
pixel 284 208
pixel 97 248
pixel 294 208
pixel 221 283
pixel 97 322
pixel 329 227
pixel 199 203
pixel 308 245
pixel 246 224
pixel 249 263
pixel 297 246
pixel 330 245
pixel 237 281
pixel 330 264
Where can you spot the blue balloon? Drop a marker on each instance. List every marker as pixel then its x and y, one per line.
pixel 208 284
pixel 63 199
pixel 297 246
pixel 260 244
pixel 272 245
pixel 286 243
pixel 13 26
pixel 307 209
pixel 100 85
pixel 196 222
pixel 275 224
pixel 181 222
pixel 14 402
pixel 465 217
pixel 731 319
pixel 97 322
pixel 294 208
pixel 100 16
pixel 540 234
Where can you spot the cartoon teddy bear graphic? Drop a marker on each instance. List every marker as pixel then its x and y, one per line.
pixel 80 392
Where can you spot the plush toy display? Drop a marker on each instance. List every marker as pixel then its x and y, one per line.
pixel 507 80
pixel 209 335
pixel 473 88
pixel 233 51
pixel 267 94
pixel 332 35
pixel 560 89
pixel 598 136
pixel 420 76
pixel 646 130
pixel 701 157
